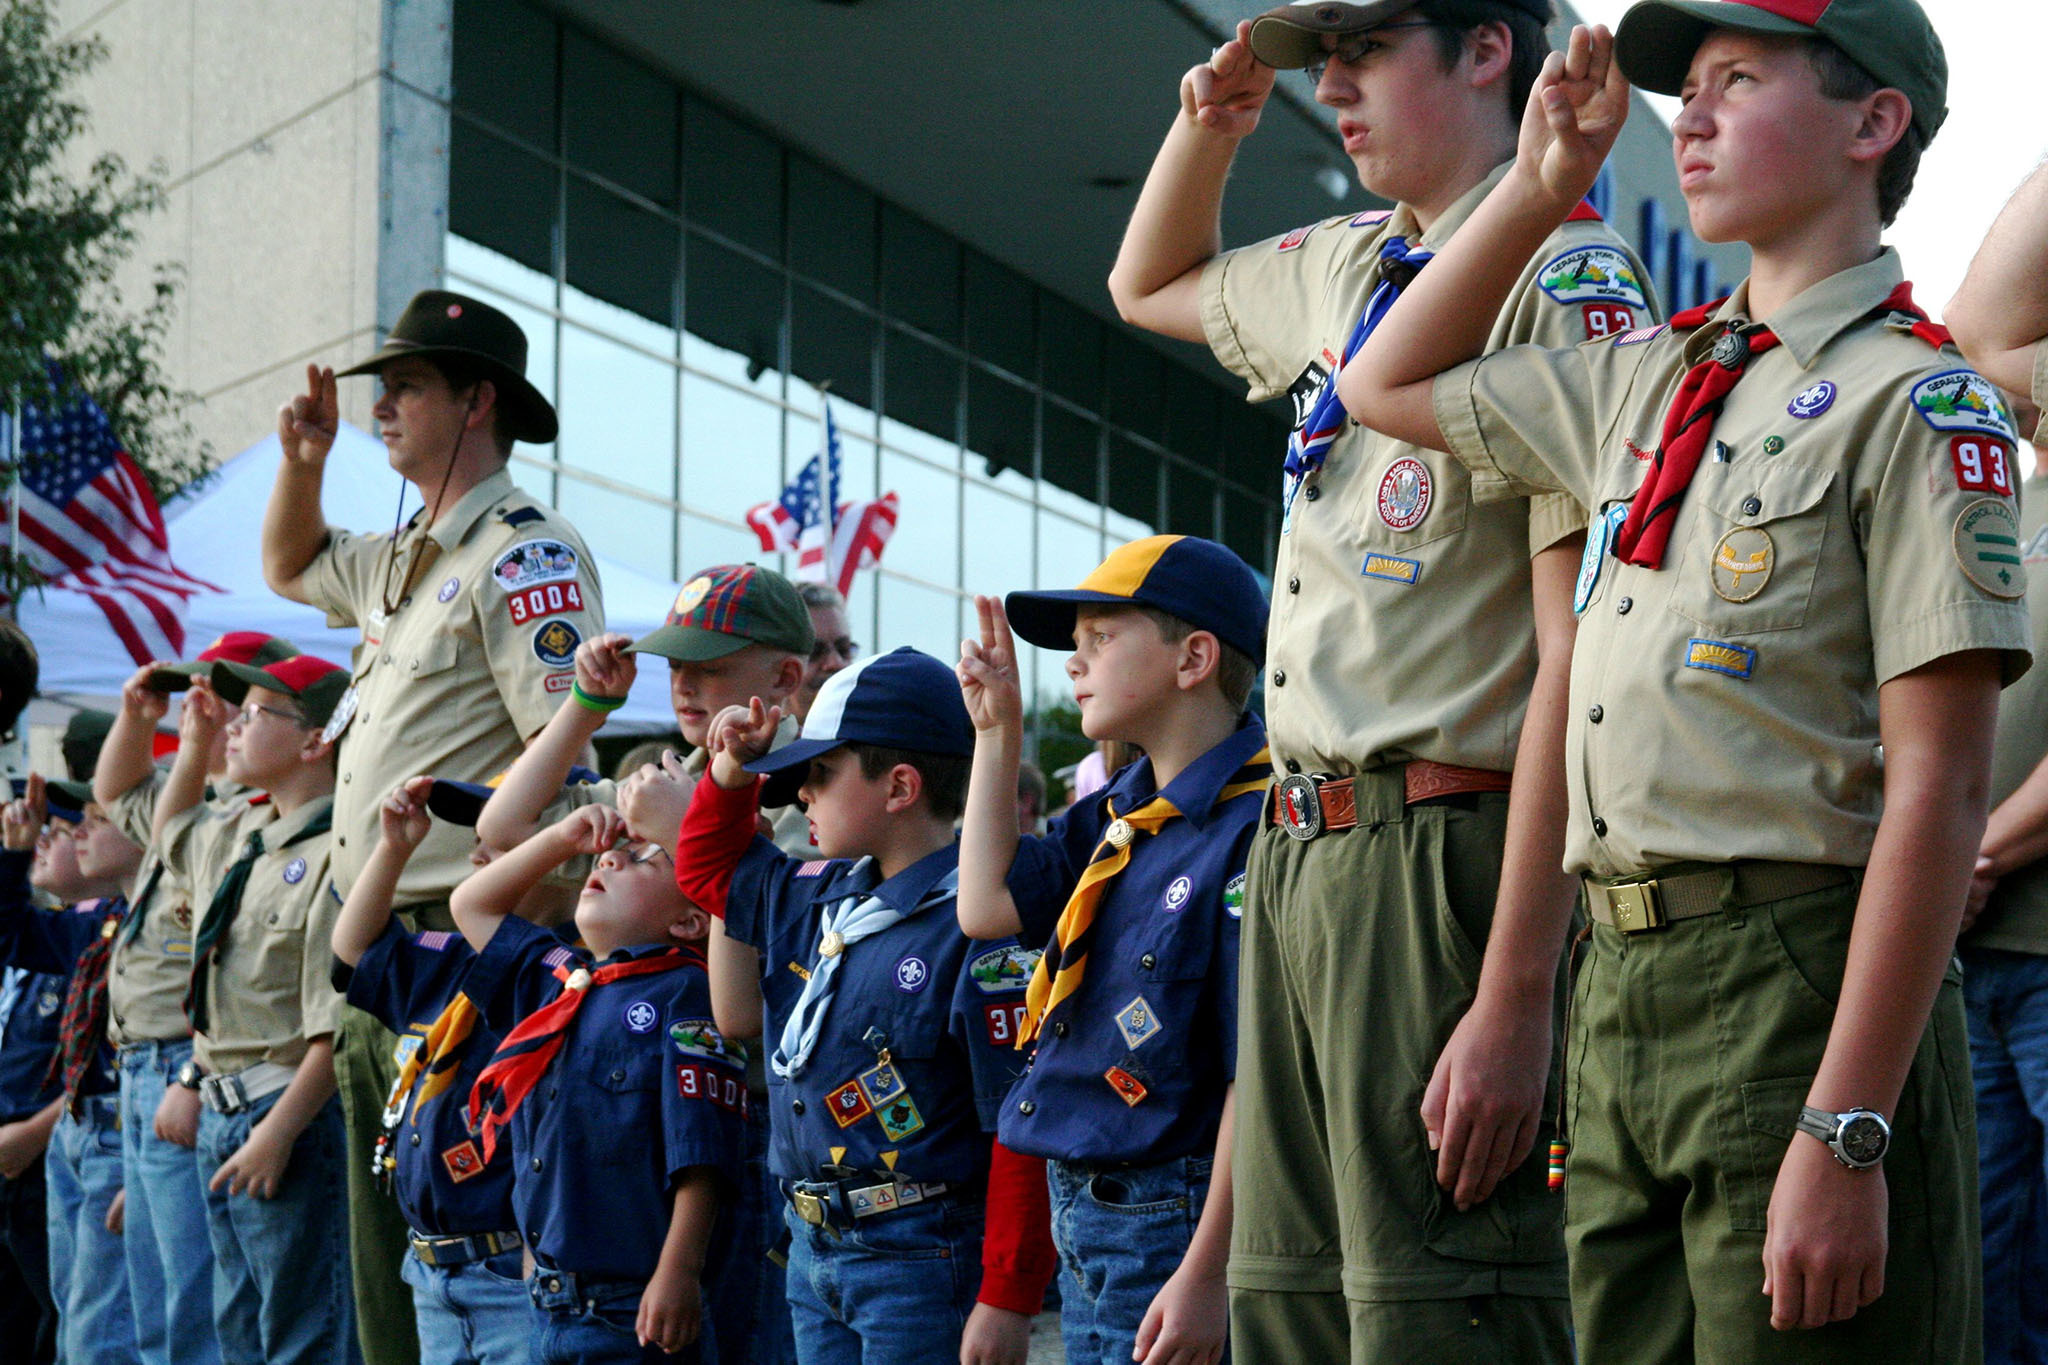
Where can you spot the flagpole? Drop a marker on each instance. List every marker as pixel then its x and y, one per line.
pixel 14 512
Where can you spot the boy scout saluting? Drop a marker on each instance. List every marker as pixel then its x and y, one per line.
pixel 471 613
pixel 1401 658
pixel 1817 559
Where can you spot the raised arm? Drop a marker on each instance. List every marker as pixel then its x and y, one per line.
pixel 489 894
pixel 368 908
pixel 605 669
pixel 200 721
pixel 1175 228
pixel 2001 313
pixel 988 829
pixel 125 757
pixel 293 529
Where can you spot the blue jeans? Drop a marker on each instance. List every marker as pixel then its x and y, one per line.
pixel 169 1254
pixel 2006 997
pixel 474 1314
pixel 577 1321
pixel 1121 1233
pixel 280 1265
pixel 28 1318
pixel 88 1270
pixel 752 1311
pixel 890 1289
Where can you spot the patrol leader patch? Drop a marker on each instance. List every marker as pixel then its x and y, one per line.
pixel 1963 400
pixel 1718 656
pixel 1592 274
pixel 554 644
pixel 1987 543
pixel 544 599
pixel 1404 494
pixel 533 561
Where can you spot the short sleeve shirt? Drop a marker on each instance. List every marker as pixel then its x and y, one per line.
pixel 1852 520
pixel 1401 625
pixel 271 993
pixel 476 658
pixel 1133 1067
pixel 925 1109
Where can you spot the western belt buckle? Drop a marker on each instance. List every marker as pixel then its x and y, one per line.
pixel 809 1207
pixel 1298 806
pixel 1637 906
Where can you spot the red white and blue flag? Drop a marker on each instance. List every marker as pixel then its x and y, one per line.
pixel 831 539
pixel 90 525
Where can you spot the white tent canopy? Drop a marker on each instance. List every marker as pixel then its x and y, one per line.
pixel 215 537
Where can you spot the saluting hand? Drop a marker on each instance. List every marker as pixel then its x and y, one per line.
pixel 403 817
pixel 605 666
pixel 988 671
pixel 1226 93
pixel 654 799
pixel 203 716
pixel 306 425
pixel 23 818
pixel 736 737
pixel 590 829
pixel 1575 111
pixel 141 700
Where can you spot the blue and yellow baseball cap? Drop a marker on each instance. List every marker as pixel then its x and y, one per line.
pixel 1201 582
pixel 727 607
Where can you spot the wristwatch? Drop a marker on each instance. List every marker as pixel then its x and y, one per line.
pixel 1859 1138
pixel 188 1075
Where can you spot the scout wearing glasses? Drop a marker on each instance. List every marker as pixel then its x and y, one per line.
pixel 605 1047
pixel 1400 661
pixel 1819 558
pixel 891 1035
pixel 1132 1012
pixel 263 1012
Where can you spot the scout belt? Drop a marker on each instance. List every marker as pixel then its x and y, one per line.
pixel 1633 905
pixel 839 1203
pixel 1306 806
pixel 232 1093
pixel 453 1251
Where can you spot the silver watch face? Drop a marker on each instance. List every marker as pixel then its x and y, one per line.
pixel 1864 1139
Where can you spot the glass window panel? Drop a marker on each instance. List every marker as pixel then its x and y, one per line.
pixel 732 178
pixel 831 229
pixel 734 304
pixel 927 538
pixel 479 266
pixel 1073 352
pixel 997 546
pixel 1190 501
pixel 618 412
pixel 920 274
pixel 621 527
pixel 1249 523
pixel 1067 551
pixel 1001 310
pixel 501 197
pixel 912 614
pixel 1000 424
pixel 1133 385
pixel 921 386
pixel 1254 442
pixel 1070 453
pixel 504 68
pixel 1191 417
pixel 705 543
pixel 619 119
pixel 1133 480
pixel 732 449
pixel 832 343
pixel 621 253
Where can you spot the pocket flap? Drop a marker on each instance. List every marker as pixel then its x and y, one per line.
pixel 1774 491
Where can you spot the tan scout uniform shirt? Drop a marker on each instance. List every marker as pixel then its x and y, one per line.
pixel 270 994
pixel 475 659
pixel 1401 624
pixel 148 974
pixel 1859 526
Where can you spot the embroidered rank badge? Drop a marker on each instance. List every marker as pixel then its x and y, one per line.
pixel 1137 1023
pixel 900 1118
pixel 848 1105
pixel 1392 568
pixel 1128 1087
pixel 463 1161
pixel 1718 656
pixel 882 1083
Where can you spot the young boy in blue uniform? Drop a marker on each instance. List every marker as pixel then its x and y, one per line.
pixel 1132 1012
pixel 619 1100
pixel 464 1263
pixel 890 1031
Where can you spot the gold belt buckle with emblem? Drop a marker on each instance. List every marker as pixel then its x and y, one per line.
pixel 1637 906
pixel 809 1207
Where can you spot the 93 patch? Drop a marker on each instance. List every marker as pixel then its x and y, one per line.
pixel 554 644
pixel 1983 464
pixel 1963 400
pixel 544 599
pixel 534 561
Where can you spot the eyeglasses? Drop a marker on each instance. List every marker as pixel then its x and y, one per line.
pixel 247 715
pixel 646 855
pixel 844 647
pixel 1354 48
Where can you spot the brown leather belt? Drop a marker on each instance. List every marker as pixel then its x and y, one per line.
pixel 1307 806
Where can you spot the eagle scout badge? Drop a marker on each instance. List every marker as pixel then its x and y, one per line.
pixel 1404 494
pixel 1137 1023
pixel 1987 543
pixel 848 1105
pixel 1298 806
pixel 1128 1088
pixel 463 1161
pixel 344 712
pixel 1599 540
pixel 1742 563
pixel 900 1118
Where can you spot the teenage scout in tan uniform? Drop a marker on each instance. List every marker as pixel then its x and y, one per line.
pixel 470 617
pixel 1783 691
pixel 1388 1008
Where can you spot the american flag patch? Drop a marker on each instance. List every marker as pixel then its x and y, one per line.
pixel 1638 335
pixel 557 957
pixel 814 868
pixel 434 940
pixel 1372 218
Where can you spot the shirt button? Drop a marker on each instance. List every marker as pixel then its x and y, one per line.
pixel 415 1139
pixel 347 778
pixel 1293 584
pixel 797 1105
pixel 1752 506
pixel 1148 962
pixel 1621 607
pixel 1600 827
pixel 1293 765
pixel 1027 1107
pixel 1059 1030
pixel 1595 713
pixel 536 1166
pixel 1314 491
pixel 618 1076
pixel 1279 677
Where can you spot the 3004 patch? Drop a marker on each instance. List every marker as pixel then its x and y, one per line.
pixel 548 599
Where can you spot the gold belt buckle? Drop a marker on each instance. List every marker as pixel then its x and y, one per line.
pixel 809 1207
pixel 1637 906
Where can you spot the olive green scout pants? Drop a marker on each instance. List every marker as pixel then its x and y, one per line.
pixel 1691 1050
pixel 1360 953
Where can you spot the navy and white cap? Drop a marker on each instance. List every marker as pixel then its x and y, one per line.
pixel 904 699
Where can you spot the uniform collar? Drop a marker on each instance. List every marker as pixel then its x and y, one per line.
pixel 454 528
pixel 1819 314
pixel 282 830
pixel 901 892
pixel 633 953
pixel 1194 792
pixel 1402 224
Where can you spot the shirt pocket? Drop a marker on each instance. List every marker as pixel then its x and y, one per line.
pixel 626 1073
pixel 1758 535
pixel 431 654
pixel 1409 498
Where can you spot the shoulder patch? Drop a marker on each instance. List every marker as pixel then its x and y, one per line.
pixel 1640 335
pixel 1233 897
pixel 520 516
pixel 1372 217
pixel 1987 545
pixel 1007 968
pixel 814 868
pixel 1963 400
pixel 554 644
pixel 434 940
pixel 534 561
pixel 1592 274
pixel 1295 238
pixel 557 957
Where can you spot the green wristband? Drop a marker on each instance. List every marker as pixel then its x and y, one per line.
pixel 601 705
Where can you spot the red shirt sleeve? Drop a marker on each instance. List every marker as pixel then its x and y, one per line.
pixel 715 831
pixel 1017 1255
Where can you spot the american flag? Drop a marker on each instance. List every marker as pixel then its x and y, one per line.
pixel 90 525
pixel 832 540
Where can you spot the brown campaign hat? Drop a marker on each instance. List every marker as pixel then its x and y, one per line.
pixel 1893 40
pixel 438 323
pixel 1289 37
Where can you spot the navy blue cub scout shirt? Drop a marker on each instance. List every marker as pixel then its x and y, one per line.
pixel 944 1008
pixel 642 1089
pixel 47 944
pixel 1132 1067
pixel 443 1185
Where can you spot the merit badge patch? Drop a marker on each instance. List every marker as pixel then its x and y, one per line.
pixel 1404 495
pixel 697 1038
pixel 1812 402
pixel 1718 656
pixel 641 1017
pixel 848 1105
pixel 544 599
pixel 1129 1088
pixel 911 975
pixel 554 644
pixel 900 1119
pixel 1392 568
pixel 1963 400
pixel 1003 969
pixel 1599 540
pixel 1177 894
pixel 295 872
pixel 1982 465
pixel 1233 897
pixel 1593 274
pixel 1295 238
pixel 882 1083
pixel 1987 541
pixel 1742 563
pixel 448 590
pixel 1371 217
pixel 1137 1023
pixel 463 1161
pixel 534 561
pixel 344 712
